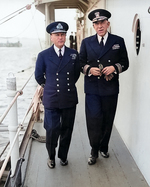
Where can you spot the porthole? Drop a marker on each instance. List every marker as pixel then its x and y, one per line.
pixel 137 33
pixel 138 37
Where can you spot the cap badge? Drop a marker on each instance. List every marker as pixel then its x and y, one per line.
pixel 59 26
pixel 97 14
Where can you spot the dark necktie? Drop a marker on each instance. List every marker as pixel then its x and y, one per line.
pixel 101 42
pixel 60 55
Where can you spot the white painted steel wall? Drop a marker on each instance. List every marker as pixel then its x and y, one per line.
pixel 133 111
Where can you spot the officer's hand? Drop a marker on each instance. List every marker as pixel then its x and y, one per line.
pixel 95 71
pixel 108 70
pixel 108 77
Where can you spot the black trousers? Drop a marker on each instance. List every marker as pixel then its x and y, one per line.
pixel 100 113
pixel 59 125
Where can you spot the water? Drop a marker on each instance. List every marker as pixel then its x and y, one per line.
pixel 21 62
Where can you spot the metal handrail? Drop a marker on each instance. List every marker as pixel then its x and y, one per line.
pixel 9 107
pixel 14 99
pixel 8 155
pixel 19 126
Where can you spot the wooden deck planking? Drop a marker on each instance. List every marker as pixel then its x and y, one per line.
pixel 119 170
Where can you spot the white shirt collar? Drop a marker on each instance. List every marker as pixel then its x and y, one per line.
pixel 57 50
pixel 105 38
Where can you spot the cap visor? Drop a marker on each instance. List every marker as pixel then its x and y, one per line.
pixel 58 31
pixel 100 19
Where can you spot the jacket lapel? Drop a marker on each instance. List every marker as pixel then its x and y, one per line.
pixel 109 43
pixel 53 56
pixel 94 44
pixel 96 48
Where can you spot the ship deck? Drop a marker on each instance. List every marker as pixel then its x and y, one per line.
pixel 117 170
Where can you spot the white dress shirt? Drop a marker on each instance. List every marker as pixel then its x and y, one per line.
pixel 105 38
pixel 57 50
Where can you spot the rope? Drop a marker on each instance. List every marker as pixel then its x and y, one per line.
pixel 12 13
pixel 33 15
pixel 37 34
pixel 25 28
pixel 37 137
pixel 27 7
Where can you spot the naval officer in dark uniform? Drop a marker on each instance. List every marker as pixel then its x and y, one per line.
pixel 103 57
pixel 57 70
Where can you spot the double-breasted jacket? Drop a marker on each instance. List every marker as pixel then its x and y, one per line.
pixel 114 53
pixel 59 77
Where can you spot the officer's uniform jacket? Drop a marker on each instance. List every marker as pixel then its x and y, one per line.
pixel 59 77
pixel 114 53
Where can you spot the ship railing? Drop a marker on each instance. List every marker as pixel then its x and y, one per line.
pixel 15 151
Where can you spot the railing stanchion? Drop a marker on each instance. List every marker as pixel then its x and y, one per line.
pixel 13 121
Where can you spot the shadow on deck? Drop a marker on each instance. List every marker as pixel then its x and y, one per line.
pixel 119 170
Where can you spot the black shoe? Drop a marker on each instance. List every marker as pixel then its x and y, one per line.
pixel 92 160
pixel 51 163
pixel 63 163
pixel 104 154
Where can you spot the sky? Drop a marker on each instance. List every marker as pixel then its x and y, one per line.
pixel 30 23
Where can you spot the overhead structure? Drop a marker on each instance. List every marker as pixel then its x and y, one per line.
pixel 47 7
pixel 82 5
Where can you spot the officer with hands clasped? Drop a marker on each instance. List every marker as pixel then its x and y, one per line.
pixel 57 70
pixel 103 57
